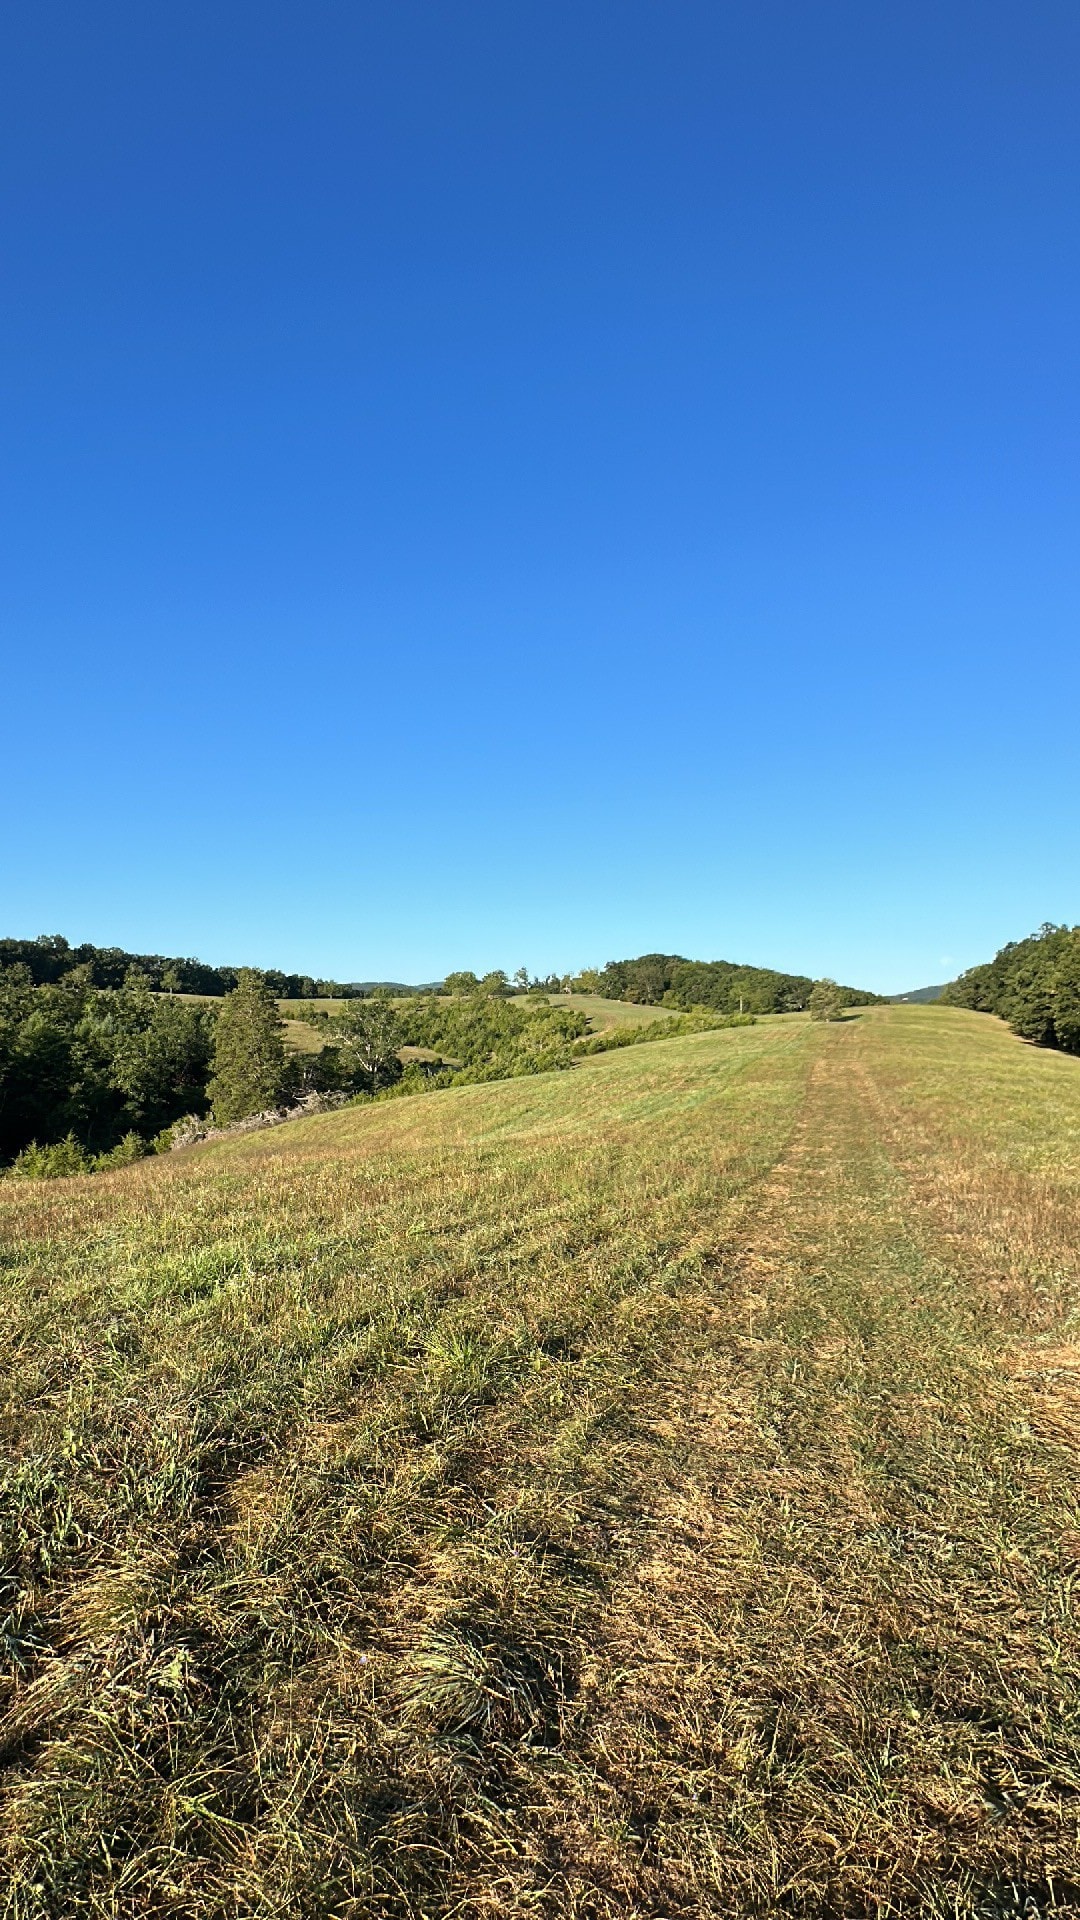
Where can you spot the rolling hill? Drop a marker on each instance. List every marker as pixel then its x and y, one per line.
pixel 649 1488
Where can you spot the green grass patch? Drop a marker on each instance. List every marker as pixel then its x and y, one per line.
pixel 648 1487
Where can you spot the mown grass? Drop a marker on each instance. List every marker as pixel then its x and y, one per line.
pixel 305 1436
pixel 605 1014
pixel 841 1677
pixel 648 1489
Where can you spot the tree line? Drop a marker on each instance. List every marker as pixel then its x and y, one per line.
pixel 105 1073
pixel 653 979
pixel 1034 984
pixel 50 958
pixel 668 980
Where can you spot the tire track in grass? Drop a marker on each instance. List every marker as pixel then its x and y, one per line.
pixel 841 1678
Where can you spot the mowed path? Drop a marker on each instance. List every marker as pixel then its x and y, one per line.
pixel 647 1491
pixel 840 1675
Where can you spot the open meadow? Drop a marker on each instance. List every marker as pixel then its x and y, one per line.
pixel 604 1015
pixel 645 1489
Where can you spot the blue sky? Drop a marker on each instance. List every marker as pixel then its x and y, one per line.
pixel 495 485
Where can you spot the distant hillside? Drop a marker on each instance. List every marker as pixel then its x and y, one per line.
pixel 723 985
pixel 919 996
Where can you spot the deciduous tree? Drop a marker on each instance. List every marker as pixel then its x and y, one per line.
pixel 825 1002
pixel 369 1034
pixel 462 982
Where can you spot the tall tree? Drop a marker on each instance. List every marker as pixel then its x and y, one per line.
pixel 160 1061
pixel 249 1051
pixel 369 1035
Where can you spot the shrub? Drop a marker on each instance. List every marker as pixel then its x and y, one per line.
pixel 54 1162
pixel 825 1002
pixel 131 1147
pixel 699 1022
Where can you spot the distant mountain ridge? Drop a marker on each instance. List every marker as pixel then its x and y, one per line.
pixel 920 996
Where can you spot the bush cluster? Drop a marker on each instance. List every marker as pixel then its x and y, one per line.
pixel 69 1156
pixel 488 1037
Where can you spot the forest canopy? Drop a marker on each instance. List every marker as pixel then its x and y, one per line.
pixel 666 979
pixel 50 958
pixel 1034 984
pixel 96 1064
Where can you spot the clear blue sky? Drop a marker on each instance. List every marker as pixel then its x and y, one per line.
pixel 494 483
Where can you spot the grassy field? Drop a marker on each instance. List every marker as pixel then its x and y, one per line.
pixel 645 1490
pixel 603 1015
pixel 296 1009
